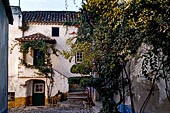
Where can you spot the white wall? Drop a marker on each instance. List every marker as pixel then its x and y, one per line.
pixel 14 32
pixel 60 83
pixel 19 75
pixel 59 63
pixel 13 59
pixel 158 102
pixel 3 59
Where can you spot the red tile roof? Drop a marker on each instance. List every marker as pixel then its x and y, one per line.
pixel 49 17
pixel 37 36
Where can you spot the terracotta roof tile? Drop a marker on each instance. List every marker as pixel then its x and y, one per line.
pixel 37 36
pixel 49 17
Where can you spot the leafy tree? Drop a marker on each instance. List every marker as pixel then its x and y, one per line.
pixel 110 32
pixel 152 18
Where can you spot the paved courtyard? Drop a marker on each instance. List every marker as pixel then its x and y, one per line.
pixel 48 110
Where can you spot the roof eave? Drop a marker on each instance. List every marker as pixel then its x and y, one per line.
pixel 47 41
pixel 8 11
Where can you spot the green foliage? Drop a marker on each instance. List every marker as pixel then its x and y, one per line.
pixel 110 34
pixel 77 80
pixel 84 82
pixel 41 45
pixel 69 23
pixel 107 43
pixel 44 69
pixel 81 69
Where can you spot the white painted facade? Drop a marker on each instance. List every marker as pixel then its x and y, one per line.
pixel 158 102
pixel 20 76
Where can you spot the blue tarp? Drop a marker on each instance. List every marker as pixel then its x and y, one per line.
pixel 126 110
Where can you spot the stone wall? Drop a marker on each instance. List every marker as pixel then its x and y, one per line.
pixel 22 102
pixel 158 102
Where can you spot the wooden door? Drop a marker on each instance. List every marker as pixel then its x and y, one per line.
pixel 38 98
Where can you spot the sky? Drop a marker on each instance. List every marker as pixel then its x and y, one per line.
pixel 47 5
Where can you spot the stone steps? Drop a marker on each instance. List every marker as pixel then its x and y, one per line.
pixel 77 96
pixel 75 99
pixel 80 93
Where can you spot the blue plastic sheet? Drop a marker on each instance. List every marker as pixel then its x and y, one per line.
pixel 127 109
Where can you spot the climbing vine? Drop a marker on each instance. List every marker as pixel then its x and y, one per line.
pixel 43 64
pixel 42 46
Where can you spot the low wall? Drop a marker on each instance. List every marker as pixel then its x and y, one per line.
pixel 22 101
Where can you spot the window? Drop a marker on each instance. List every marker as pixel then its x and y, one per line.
pixel 39 88
pixel 79 57
pixel 39 58
pixel 15 10
pixel 55 31
pixel 11 96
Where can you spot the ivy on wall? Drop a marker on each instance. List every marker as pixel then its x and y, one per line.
pixel 43 68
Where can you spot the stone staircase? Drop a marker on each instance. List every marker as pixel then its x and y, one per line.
pixel 75 99
pixel 77 96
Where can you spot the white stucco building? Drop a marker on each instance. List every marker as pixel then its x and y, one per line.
pixel 25 85
pixel 5 19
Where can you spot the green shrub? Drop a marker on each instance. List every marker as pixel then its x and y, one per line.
pixel 81 69
pixel 78 80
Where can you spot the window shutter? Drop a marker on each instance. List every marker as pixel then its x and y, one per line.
pixel 29 57
pixel 46 60
pixel 55 31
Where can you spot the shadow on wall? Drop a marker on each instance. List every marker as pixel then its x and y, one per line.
pixel 29 88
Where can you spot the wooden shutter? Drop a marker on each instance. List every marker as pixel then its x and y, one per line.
pixel 29 57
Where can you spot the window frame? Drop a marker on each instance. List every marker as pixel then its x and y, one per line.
pixel 34 59
pixel 11 96
pixel 79 57
pixel 39 84
pixel 54 33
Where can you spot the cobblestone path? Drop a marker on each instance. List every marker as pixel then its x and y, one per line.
pixel 48 110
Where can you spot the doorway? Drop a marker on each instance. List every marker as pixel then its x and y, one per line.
pixel 38 96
